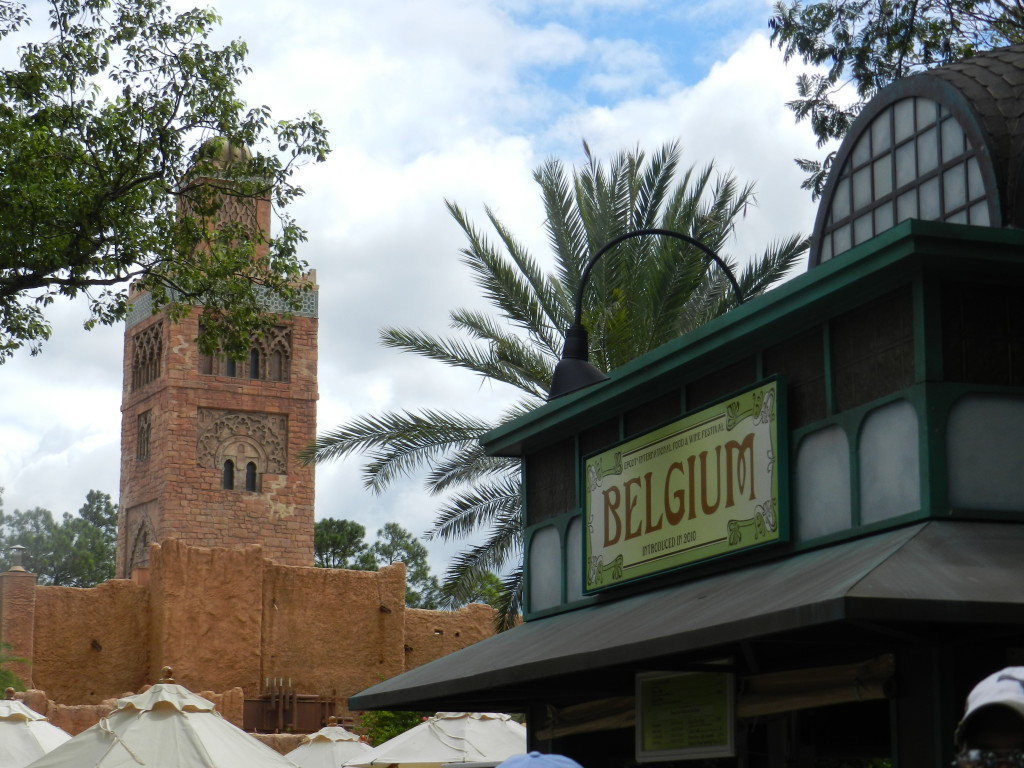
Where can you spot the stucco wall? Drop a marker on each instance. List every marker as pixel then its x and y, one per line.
pixel 230 618
pixel 91 644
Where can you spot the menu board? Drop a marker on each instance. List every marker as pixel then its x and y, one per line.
pixel 684 715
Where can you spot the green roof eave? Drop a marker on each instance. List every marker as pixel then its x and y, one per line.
pixel 850 280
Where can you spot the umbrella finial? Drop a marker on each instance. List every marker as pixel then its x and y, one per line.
pixel 167 675
pixel 9 693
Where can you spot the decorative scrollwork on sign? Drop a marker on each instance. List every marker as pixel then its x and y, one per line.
pixel 242 436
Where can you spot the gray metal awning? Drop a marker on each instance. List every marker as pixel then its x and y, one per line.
pixel 936 571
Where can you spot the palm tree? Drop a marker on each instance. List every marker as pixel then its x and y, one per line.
pixel 650 290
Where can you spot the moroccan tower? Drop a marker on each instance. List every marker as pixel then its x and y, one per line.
pixel 208 444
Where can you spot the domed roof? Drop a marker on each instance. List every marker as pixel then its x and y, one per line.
pixel 951 132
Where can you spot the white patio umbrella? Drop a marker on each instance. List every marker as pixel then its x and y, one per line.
pixel 330 747
pixel 25 735
pixel 450 737
pixel 168 726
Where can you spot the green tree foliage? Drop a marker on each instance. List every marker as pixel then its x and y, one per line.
pixel 7 678
pixel 381 726
pixel 76 551
pixel 861 46
pixel 340 544
pixel 646 292
pixel 105 128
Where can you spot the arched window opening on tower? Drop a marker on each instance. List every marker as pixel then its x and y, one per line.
pixel 250 476
pixel 228 482
pixel 229 367
pixel 254 364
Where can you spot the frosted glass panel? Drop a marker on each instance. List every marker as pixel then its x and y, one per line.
pixel 890 482
pixel 927 152
pixel 822 498
pixel 862 188
pixel 841 240
pixel 979 214
pixel 883 176
pixel 545 569
pixel 986 454
pixel 906 205
pixel 903 111
pixel 862 150
pixel 574 560
pixel 926 113
pixel 954 187
pixel 931 208
pixel 881 135
pixel 883 217
pixel 862 229
pixel 952 139
pixel 841 200
pixel 975 185
pixel 906 169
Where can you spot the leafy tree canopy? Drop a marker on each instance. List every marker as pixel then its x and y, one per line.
pixel 76 551
pixel 863 45
pixel 106 128
pixel 339 544
pixel 646 292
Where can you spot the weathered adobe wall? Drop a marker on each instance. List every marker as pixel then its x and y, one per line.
pixel 230 618
pixel 91 644
pixel 333 632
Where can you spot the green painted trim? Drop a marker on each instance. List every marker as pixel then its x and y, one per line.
pixel 867 271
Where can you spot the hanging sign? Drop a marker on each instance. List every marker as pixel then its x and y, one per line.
pixel 684 716
pixel 701 487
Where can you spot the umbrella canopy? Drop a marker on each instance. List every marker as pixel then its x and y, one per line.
pixel 25 735
pixel 166 727
pixel 450 737
pixel 330 747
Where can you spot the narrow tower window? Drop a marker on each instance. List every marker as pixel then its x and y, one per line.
pixel 250 476
pixel 228 483
pixel 229 367
pixel 145 428
pixel 254 364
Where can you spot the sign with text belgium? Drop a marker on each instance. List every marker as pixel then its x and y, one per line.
pixel 701 487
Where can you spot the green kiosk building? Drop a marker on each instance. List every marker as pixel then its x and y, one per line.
pixel 795 536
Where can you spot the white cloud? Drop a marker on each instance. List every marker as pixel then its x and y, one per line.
pixel 425 100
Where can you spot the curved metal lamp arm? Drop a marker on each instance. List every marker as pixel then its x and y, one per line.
pixel 574 371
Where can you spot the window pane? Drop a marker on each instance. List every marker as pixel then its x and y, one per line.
pixel 881 133
pixel 906 168
pixel 883 217
pixel 826 248
pixel 927 152
pixel 954 187
pixel 926 113
pixel 930 207
pixel 862 149
pixel 960 217
pixel 883 176
pixel 906 205
pixel 841 200
pixel 979 214
pixel 952 139
pixel 975 185
pixel 862 188
pixel 841 239
pixel 862 229
pixel 903 117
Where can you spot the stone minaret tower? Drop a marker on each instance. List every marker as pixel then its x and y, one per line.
pixel 208 445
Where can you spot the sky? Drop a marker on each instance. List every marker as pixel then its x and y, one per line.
pixel 427 101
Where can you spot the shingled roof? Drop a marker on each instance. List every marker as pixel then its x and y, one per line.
pixel 986 95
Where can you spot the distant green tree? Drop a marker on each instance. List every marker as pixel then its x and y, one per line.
pixel 77 551
pixel 384 725
pixel 486 589
pixel 340 544
pixel 396 545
